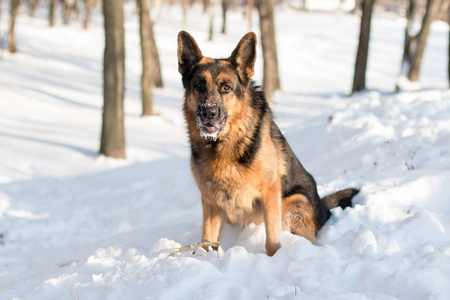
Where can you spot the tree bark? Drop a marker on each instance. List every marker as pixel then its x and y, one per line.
pixel 271 79
pixel 184 6
pixel 408 42
pixel 206 5
pixel 51 15
pixel 12 24
pixel 249 13
pixel 147 82
pixel 359 78
pixel 431 14
pixel 225 5
pixel 33 6
pixel 211 24
pixel 113 131
pixel 303 5
pixel 66 12
pixel 89 6
pixel 442 9
pixel 156 73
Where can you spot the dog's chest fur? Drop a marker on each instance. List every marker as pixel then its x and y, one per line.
pixel 233 187
pixel 230 190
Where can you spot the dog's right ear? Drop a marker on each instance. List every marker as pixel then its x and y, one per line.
pixel 188 52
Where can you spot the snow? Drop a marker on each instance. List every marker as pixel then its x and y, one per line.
pixel 74 225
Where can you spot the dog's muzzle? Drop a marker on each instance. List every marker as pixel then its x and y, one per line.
pixel 211 119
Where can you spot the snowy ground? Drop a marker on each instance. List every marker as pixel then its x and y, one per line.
pixel 77 226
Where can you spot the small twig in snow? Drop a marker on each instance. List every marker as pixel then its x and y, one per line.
pixel 214 246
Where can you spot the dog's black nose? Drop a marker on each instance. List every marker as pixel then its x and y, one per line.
pixel 209 112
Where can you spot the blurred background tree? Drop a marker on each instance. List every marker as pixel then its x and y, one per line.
pixel 359 78
pixel 14 7
pixel 112 141
pixel 52 12
pixel 271 77
pixel 151 68
pixel 89 5
pixel 434 10
pixel 419 16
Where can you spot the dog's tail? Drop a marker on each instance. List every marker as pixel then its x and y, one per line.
pixel 341 198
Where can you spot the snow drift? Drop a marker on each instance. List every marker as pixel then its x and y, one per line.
pixel 77 226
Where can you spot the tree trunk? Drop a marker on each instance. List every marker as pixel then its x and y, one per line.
pixel 271 80
pixel 442 9
pixel 206 5
pixel 67 10
pixel 33 6
pixel 359 79
pixel 431 14
pixel 155 70
pixel 12 25
pixel 225 4
pixel 89 6
pixel 157 73
pixel 211 24
pixel 303 5
pixel 184 5
pixel 51 15
pixel 249 13
pixel 146 80
pixel 407 46
pixel 113 131
pixel 448 71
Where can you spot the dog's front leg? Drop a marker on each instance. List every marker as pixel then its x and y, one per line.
pixel 272 218
pixel 212 223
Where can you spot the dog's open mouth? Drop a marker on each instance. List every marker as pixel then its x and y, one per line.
pixel 211 120
pixel 209 129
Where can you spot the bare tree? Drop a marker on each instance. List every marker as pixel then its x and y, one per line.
pixel 432 13
pixel 406 60
pixel 151 69
pixel 248 13
pixel 12 24
pixel 155 61
pixel 271 79
pixel 206 5
pixel 211 23
pixel 89 5
pixel 1 40
pixel 185 6
pixel 359 78
pixel 33 6
pixel 52 11
pixel 225 5
pixel 414 46
pixel 113 132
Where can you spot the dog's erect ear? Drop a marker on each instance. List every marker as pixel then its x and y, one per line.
pixel 243 57
pixel 188 52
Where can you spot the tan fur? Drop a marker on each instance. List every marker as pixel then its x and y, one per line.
pixel 298 217
pixel 229 189
pixel 234 190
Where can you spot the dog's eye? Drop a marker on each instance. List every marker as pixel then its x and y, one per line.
pixel 200 86
pixel 226 88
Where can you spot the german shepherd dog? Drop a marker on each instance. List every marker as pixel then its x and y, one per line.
pixel 243 165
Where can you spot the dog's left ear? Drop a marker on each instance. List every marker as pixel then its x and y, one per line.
pixel 188 52
pixel 243 57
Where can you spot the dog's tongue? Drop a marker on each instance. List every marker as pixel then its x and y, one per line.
pixel 209 126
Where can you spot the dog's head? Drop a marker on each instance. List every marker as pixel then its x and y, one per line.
pixel 215 88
